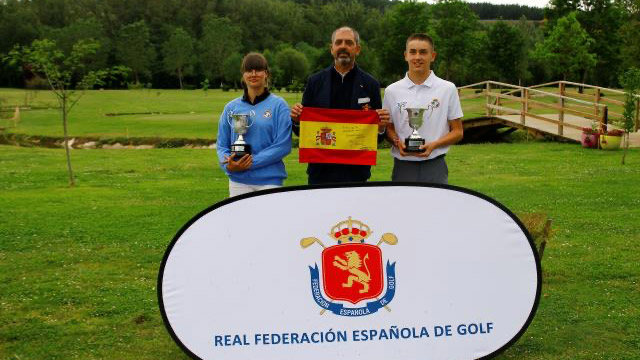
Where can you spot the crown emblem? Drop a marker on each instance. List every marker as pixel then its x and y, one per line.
pixel 350 231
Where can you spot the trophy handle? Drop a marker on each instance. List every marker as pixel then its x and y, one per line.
pixel 252 115
pixel 229 118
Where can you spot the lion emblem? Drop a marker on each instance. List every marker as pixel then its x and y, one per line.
pixel 352 264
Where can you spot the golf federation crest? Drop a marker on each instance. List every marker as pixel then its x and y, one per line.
pixel 353 272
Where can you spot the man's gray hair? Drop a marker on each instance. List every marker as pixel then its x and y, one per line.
pixel 355 34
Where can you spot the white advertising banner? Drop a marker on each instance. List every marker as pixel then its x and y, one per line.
pixel 376 271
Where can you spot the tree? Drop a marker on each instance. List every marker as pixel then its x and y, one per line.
pixel 220 38
pixel 602 21
pixel 369 59
pixel 630 80
pixel 506 52
pixel 560 8
pixel 531 34
pixel 19 25
pixel 134 49
pixel 316 56
pixel 629 34
pixel 293 66
pixel 231 69
pixel 566 49
pixel 487 11
pixel 334 14
pixel 205 86
pixel 631 7
pixel 177 54
pixel 83 29
pixel 130 32
pixel 455 26
pixel 402 20
pixel 65 74
pixel 248 15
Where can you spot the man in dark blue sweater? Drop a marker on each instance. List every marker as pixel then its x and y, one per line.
pixel 343 85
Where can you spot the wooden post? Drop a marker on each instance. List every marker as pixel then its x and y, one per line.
pixel 597 101
pixel 561 114
pixel 524 95
pixel 498 101
pixel 604 120
pixel 487 91
pixel 526 100
pixel 638 114
pixel 16 117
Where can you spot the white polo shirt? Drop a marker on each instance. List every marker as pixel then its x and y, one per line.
pixel 439 95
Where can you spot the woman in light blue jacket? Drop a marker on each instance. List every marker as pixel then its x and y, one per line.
pixel 269 136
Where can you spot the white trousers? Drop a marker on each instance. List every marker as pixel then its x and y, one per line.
pixel 236 188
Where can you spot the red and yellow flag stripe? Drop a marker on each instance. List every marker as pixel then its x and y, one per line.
pixel 338 136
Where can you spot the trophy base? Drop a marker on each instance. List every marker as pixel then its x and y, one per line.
pixel 413 145
pixel 240 150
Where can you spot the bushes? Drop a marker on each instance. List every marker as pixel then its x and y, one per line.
pixel 539 226
pixel 56 142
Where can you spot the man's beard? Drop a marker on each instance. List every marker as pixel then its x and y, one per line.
pixel 344 61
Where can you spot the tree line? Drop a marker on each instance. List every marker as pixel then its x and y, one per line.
pixel 487 11
pixel 196 43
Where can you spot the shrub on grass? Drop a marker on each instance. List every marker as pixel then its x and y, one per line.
pixel 135 86
pixel 171 143
pixel 539 226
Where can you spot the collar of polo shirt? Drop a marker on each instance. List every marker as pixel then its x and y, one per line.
pixel 428 82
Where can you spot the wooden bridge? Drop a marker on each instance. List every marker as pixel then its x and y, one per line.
pixel 560 109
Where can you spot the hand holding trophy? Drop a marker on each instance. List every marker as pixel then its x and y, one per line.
pixel 241 124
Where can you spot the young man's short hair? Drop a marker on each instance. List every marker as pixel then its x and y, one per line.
pixel 421 37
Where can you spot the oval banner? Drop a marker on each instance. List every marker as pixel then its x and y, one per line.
pixel 372 271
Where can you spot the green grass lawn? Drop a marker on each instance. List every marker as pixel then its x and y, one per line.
pixel 154 113
pixel 161 113
pixel 78 266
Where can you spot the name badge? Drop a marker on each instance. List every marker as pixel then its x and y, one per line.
pixel 364 100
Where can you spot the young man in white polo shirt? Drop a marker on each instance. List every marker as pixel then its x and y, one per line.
pixel 442 125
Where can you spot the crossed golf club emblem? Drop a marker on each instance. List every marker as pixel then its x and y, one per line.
pixel 387 238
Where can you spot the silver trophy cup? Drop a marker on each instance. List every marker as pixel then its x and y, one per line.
pixel 241 124
pixel 416 119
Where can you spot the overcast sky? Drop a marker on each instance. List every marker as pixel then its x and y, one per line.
pixel 536 3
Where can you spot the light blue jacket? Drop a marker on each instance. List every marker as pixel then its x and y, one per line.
pixel 269 137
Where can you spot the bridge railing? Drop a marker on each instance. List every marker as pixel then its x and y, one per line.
pixel 502 98
pixel 598 95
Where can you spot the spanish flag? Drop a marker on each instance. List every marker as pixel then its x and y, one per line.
pixel 338 136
